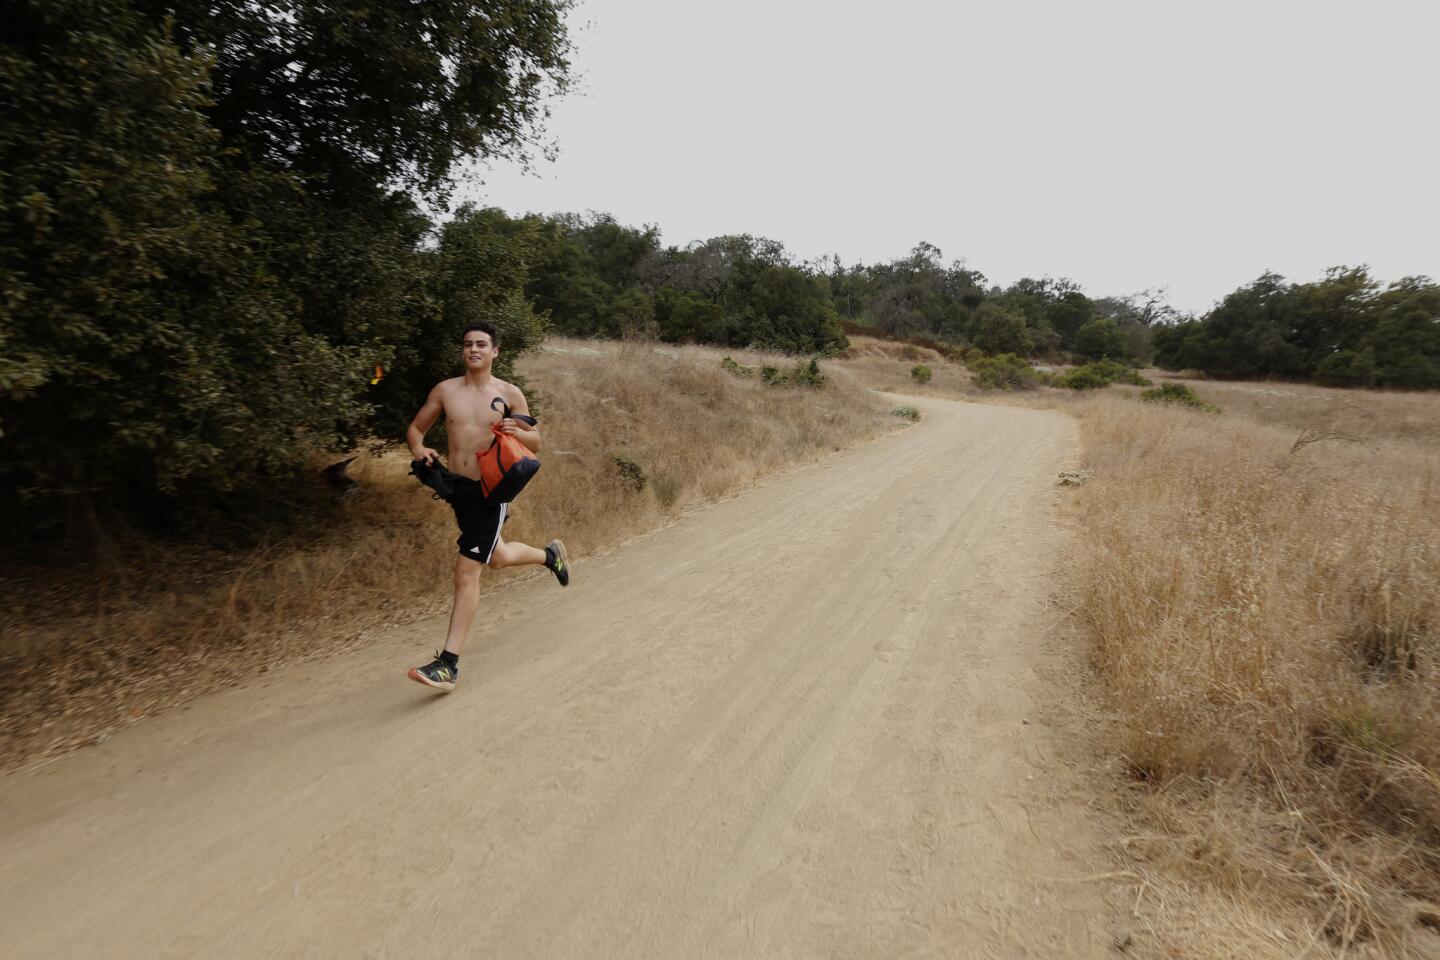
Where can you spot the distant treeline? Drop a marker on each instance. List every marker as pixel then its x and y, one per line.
pixel 1344 330
pixel 595 277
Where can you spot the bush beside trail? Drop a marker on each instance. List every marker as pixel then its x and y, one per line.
pixel 1100 373
pixel 1003 371
pixel 1170 392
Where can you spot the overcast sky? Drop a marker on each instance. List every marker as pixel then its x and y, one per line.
pixel 1124 145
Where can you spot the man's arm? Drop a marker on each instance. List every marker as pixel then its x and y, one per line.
pixel 528 435
pixel 424 420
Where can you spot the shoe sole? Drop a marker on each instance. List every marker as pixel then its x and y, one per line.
pixel 419 677
pixel 559 546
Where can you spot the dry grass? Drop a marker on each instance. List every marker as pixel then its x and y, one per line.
pixel 1266 618
pixel 1362 414
pixel 171 622
pixel 885 365
pixel 1262 594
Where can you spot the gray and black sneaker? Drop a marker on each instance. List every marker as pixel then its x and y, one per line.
pixel 555 561
pixel 437 673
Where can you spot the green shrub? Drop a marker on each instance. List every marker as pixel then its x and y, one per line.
pixel 803 375
pixel 921 373
pixel 667 489
pixel 810 376
pixel 743 372
pixel 631 473
pixel 1004 371
pixel 907 413
pixel 1101 373
pixel 1082 378
pixel 1170 392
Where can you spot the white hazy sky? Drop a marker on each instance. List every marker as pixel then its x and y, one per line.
pixel 1122 144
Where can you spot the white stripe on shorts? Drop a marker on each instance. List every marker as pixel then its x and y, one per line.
pixel 499 524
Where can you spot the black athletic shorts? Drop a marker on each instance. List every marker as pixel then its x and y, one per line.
pixel 479 522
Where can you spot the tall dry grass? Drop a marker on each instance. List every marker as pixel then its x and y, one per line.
pixel 84 649
pixel 1266 618
pixel 1262 594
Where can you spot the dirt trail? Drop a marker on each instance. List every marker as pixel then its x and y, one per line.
pixel 792 725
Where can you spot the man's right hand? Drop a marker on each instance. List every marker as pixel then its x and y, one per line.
pixel 425 453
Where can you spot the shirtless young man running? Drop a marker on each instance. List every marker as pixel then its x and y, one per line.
pixel 465 401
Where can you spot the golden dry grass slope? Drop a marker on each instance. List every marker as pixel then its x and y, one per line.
pixel 161 624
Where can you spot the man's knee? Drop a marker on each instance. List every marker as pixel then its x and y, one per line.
pixel 467 573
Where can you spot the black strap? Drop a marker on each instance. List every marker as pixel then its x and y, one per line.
pixel 505 413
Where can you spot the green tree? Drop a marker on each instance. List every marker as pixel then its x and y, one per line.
pixel 142 357
pixel 1405 336
pixel 1341 329
pixel 919 295
pixel 1068 314
pixel 354 95
pixel 203 239
pixel 685 318
pixel 1102 340
pixel 634 311
pixel 1347 368
pixel 998 330
pixel 764 299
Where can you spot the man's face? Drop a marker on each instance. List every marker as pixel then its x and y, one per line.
pixel 477 351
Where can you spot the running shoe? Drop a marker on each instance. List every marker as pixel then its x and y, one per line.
pixel 555 560
pixel 437 673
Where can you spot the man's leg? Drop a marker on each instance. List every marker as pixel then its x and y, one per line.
pixel 516 554
pixel 553 557
pixel 467 601
pixel 441 673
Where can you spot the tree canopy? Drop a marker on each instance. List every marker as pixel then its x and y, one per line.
pixel 209 236
pixel 1344 329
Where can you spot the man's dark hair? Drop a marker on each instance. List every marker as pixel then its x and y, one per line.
pixel 482 326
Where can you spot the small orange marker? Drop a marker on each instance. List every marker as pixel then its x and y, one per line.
pixel 379 375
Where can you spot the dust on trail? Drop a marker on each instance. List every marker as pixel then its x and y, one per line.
pixel 792 724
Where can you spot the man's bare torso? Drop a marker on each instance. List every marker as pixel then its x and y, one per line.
pixel 468 419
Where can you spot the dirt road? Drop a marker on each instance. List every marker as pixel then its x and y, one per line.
pixel 826 718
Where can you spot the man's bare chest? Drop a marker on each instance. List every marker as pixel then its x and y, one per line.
pixel 472 408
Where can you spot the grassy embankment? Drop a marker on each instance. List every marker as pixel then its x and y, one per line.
pixel 169 622
pixel 1261 590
